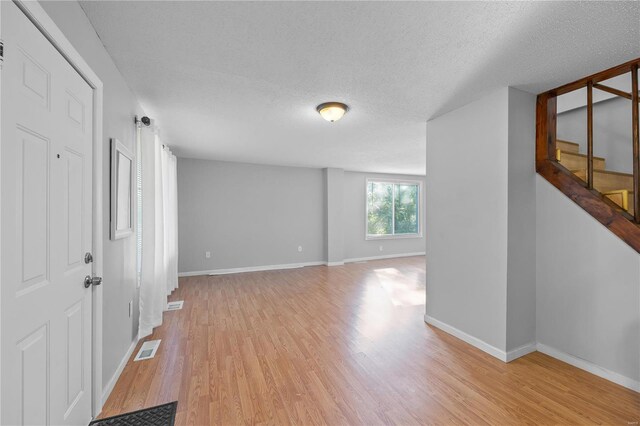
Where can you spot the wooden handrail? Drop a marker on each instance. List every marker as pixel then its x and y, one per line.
pixel 595 78
pixel 610 214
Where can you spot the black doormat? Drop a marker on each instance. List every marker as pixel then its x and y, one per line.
pixel 161 415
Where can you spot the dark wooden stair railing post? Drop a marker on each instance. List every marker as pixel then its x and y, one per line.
pixel 545 128
pixel 636 142
pixel 552 126
pixel 590 135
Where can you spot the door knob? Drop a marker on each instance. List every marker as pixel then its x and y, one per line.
pixel 89 281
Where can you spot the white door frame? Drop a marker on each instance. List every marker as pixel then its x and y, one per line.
pixel 45 24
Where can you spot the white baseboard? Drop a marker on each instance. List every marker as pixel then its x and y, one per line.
pixel 592 368
pixel 112 382
pixel 292 265
pixel 250 269
pixel 384 256
pixel 481 344
pixel 580 363
pixel 521 351
pixel 474 341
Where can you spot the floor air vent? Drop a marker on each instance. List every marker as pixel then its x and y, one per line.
pixel 174 306
pixel 148 350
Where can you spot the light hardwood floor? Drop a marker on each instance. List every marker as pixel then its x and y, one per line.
pixel 345 345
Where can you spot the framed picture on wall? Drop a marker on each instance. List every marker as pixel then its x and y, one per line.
pixel 122 190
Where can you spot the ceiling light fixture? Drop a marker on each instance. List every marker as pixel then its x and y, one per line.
pixel 332 111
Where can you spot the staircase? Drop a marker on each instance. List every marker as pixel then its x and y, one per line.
pixel 616 186
pixel 611 197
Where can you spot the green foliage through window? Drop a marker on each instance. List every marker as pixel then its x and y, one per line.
pixel 392 208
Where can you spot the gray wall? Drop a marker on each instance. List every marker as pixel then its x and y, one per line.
pixel 480 190
pixel 334 210
pixel 120 106
pixel 588 286
pixel 355 244
pixel 466 191
pixel 525 264
pixel 521 252
pixel 248 215
pixel 611 132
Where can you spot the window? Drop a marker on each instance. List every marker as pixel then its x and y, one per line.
pixel 393 209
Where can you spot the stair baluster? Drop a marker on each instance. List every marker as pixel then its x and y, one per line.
pixel 590 134
pixel 636 142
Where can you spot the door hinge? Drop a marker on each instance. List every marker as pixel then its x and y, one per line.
pixel 1 52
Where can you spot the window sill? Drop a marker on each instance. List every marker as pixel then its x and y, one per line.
pixel 392 237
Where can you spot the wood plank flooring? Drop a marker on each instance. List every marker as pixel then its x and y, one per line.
pixel 345 345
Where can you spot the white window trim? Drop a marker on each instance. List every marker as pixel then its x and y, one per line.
pixel 394 182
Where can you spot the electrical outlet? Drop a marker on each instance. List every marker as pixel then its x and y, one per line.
pixel 380 248
pixel 300 249
pixel 130 308
pixel 207 254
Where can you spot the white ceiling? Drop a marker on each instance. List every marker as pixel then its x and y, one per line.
pixel 239 81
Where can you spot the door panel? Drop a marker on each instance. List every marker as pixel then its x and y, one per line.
pixel 32 179
pixel 74 195
pixel 75 360
pixel 34 381
pixel 45 219
pixel 75 110
pixel 36 80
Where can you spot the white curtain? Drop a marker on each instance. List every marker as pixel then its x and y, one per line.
pixel 170 205
pixel 159 275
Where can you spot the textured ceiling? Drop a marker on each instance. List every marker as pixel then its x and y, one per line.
pixel 239 81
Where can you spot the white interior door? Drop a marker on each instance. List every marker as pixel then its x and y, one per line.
pixel 45 215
